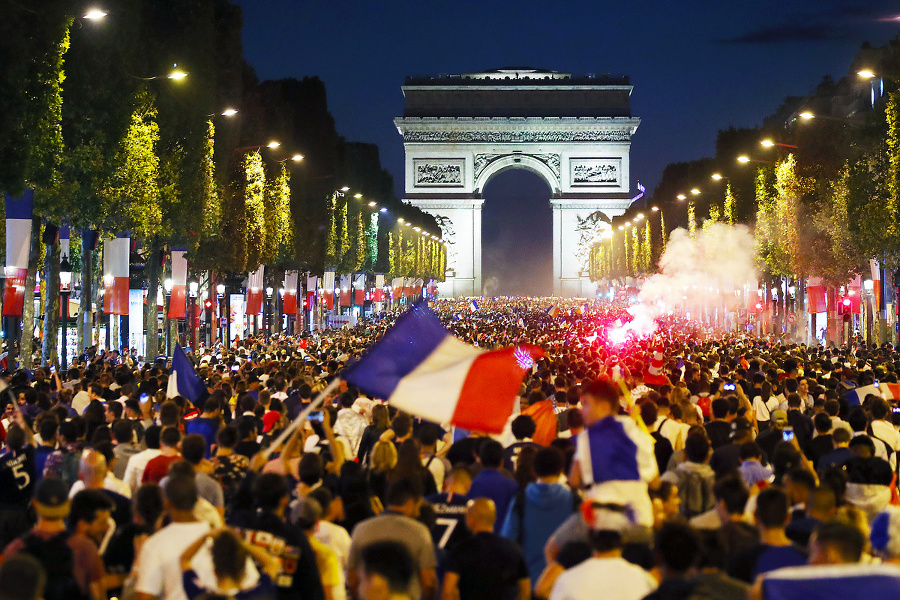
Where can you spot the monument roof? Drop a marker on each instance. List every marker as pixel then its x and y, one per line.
pixel 518 76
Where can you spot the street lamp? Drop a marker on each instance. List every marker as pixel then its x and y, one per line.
pixel 193 288
pixel 681 197
pixel 65 290
pixel 268 323
pixel 767 143
pixel 229 112
pixel 167 287
pixel 717 176
pixel 695 191
pixel 95 14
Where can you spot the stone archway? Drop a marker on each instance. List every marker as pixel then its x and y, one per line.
pixel 575 133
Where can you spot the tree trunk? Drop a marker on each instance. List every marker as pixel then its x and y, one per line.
pixel 85 306
pixel 51 305
pixel 26 347
pixel 151 316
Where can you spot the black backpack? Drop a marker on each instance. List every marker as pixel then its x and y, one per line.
pixel 58 560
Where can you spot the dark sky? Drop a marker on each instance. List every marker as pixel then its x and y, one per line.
pixel 696 66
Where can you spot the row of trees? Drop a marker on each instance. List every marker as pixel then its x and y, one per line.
pixel 109 144
pixel 822 202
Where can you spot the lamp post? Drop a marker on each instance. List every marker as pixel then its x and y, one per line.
pixel 167 286
pixel 267 324
pixel 65 290
pixel 193 288
pixel 220 295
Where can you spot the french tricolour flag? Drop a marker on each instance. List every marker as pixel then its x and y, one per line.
pixel 183 380
pixel 888 391
pixel 473 306
pixel 18 242
pixel 838 582
pixel 420 368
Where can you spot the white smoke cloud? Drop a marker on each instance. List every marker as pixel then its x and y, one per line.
pixel 713 272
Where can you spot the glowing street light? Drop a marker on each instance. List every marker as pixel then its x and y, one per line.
pixel 176 73
pixel 357 196
pixel 297 157
pixel 717 176
pixel 767 143
pixel 95 14
pixel 382 209
pixel 401 220
pixel 373 204
pixel 621 227
pixel 743 159
pixel 681 196
pixel 655 209
pixel 695 192
pixel 345 189
pixel 806 115
pixel 273 144
pixel 866 74
pixel 229 112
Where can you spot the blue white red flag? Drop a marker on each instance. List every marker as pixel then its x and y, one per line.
pixel 473 306
pixel 183 380
pixel 420 368
pixel 553 311
pixel 835 582
pixel 857 396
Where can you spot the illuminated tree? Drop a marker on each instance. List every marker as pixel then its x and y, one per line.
pixel 730 209
pixel 692 220
pixel 254 208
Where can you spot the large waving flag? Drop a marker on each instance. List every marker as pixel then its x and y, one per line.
pixel 888 391
pixel 837 582
pixel 420 368
pixel 183 380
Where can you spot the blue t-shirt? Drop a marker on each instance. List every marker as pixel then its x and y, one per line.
pixel 205 427
pixel 493 484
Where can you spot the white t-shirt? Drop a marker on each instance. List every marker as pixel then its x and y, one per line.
pixel 617 578
pixel 336 538
pixel 134 470
pixel 159 564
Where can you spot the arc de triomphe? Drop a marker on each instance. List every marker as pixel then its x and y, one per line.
pixel 574 132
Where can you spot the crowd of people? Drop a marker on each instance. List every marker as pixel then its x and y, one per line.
pixel 676 464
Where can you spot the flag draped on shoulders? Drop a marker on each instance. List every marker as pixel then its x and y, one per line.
pixel 420 368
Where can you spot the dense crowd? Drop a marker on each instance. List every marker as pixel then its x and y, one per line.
pixel 670 464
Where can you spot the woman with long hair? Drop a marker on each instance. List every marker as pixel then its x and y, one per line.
pixel 409 466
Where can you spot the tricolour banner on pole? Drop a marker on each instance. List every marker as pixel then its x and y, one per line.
pixel 255 292
pixel 178 295
pixel 378 296
pixel 18 241
pixel 289 303
pixel 359 289
pixel 115 274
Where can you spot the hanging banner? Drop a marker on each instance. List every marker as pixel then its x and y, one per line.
pixel 115 275
pixel 289 302
pixel 178 295
pixel 378 296
pixel 18 241
pixel 255 292
pixel 345 290
pixel 359 289
pixel 816 299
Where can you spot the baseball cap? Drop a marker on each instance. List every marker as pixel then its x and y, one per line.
pixel 270 419
pixel 51 498
pixel 779 417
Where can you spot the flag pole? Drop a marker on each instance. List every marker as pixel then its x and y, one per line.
pixel 302 416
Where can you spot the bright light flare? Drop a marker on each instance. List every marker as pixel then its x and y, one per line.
pixel 806 115
pixel 767 143
pixel 617 336
pixel 273 144
pixel 743 159
pixel 177 74
pixel 297 157
pixel 695 191
pixel 229 112
pixel 681 196
pixel 866 74
pixel 717 176
pixel 95 14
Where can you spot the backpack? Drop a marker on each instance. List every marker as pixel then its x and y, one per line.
pixel 695 493
pixel 58 560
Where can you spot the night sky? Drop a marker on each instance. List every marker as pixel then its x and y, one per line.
pixel 696 67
